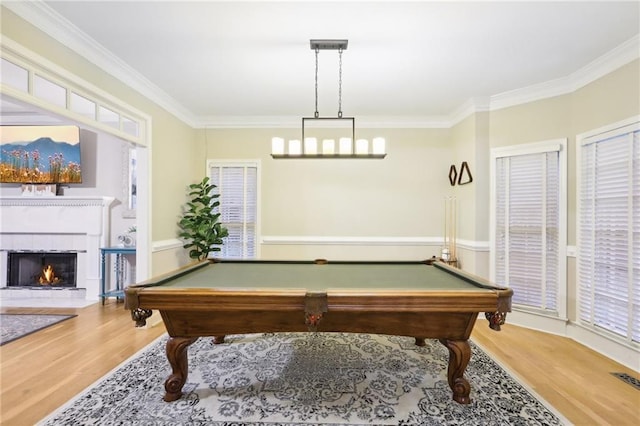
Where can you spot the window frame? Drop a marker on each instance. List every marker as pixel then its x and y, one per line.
pixel 600 134
pixel 555 145
pixel 244 163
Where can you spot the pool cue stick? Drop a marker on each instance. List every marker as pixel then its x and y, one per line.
pixel 454 227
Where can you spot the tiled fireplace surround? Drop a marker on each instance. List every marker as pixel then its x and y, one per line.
pixel 66 223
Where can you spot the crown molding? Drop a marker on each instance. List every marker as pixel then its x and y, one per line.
pixel 48 20
pixel 601 66
pixel 620 56
pixel 59 28
pixel 470 107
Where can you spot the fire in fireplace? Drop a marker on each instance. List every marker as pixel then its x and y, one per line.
pixel 42 269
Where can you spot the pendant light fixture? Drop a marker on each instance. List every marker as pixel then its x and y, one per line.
pixel 338 128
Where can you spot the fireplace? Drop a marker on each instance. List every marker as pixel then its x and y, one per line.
pixel 42 269
pixel 65 225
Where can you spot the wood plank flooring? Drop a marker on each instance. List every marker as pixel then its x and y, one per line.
pixel 42 371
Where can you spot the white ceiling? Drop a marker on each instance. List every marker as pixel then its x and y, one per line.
pixel 236 60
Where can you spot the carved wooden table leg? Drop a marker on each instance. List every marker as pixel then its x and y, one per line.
pixel 177 356
pixel 140 316
pixel 459 356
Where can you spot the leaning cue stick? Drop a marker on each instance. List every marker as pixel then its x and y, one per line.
pixel 445 245
pixel 453 227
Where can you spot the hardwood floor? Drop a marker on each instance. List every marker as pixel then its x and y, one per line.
pixel 40 372
pixel 574 379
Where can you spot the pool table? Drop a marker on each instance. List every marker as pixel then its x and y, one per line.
pixel 425 299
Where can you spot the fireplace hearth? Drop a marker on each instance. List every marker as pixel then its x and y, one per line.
pixel 42 269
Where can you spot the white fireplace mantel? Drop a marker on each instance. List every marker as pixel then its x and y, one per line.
pixel 57 223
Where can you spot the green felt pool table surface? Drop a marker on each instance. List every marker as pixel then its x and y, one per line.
pixel 323 277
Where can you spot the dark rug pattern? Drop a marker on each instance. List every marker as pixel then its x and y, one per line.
pixel 15 326
pixel 306 379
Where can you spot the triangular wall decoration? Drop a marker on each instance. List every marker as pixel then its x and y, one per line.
pixel 463 168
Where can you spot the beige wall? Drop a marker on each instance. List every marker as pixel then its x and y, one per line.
pixel 470 141
pixel 396 197
pixel 174 144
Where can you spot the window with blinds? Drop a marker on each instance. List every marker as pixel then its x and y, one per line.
pixel 529 224
pixel 609 231
pixel 237 184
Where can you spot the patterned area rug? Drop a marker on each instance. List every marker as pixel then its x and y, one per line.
pixel 15 326
pixel 306 379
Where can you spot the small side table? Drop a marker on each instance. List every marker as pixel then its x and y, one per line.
pixel 119 252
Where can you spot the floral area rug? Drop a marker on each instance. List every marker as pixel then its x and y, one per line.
pixel 15 326
pixel 306 379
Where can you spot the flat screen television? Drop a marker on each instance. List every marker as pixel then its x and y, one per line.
pixel 40 154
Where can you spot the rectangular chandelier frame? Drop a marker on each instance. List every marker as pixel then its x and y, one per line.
pixel 336 154
pixel 353 148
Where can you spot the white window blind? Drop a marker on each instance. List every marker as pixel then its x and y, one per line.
pixel 528 226
pixel 609 232
pixel 238 188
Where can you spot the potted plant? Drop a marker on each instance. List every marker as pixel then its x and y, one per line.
pixel 199 224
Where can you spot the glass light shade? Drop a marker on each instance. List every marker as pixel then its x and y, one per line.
pixel 378 145
pixel 295 148
pixel 362 147
pixel 310 146
pixel 277 146
pixel 328 146
pixel 345 146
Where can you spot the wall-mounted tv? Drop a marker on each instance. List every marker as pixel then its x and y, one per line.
pixel 40 154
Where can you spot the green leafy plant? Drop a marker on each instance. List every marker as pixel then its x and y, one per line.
pixel 199 224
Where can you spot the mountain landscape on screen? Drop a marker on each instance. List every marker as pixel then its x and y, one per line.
pixel 30 155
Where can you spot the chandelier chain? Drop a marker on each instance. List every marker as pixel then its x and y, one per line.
pixel 340 84
pixel 317 114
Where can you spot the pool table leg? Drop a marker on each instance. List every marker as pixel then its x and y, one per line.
pixel 177 356
pixel 459 356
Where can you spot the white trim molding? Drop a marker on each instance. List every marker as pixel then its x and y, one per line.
pixel 163 245
pixel 605 64
pixel 350 241
pixel 312 240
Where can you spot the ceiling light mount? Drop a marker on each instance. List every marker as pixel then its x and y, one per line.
pixel 329 129
pixel 325 44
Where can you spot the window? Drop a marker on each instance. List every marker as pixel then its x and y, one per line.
pixel 528 233
pixel 609 230
pixel 237 184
